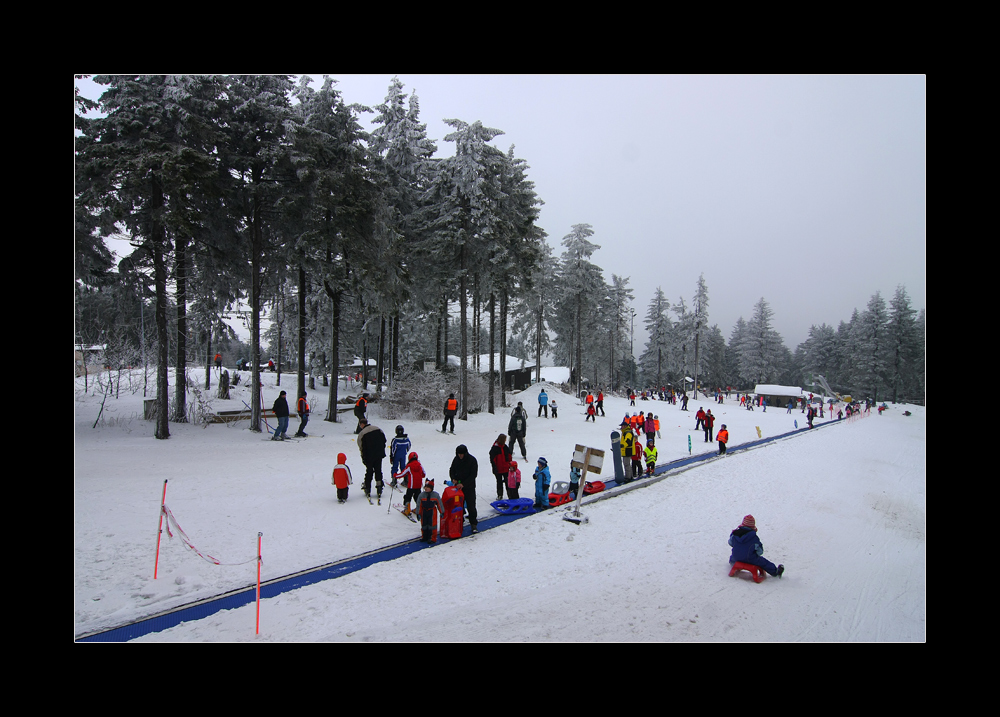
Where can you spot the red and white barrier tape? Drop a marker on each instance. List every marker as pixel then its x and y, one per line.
pixel 187 541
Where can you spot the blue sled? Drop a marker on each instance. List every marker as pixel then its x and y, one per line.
pixel 514 506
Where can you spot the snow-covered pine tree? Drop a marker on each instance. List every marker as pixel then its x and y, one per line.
pixel 531 308
pixel 905 345
pixel 847 343
pixel 579 277
pixel 517 251
pixel 682 340
pixel 653 361
pixel 255 155
pixel 94 262
pixel 820 353
pixel 715 359
pixel 141 164
pixel 400 140
pixel 621 297
pixel 761 356
pixel 462 204
pixel 734 351
pixel 874 347
pixel 341 225
pixel 699 321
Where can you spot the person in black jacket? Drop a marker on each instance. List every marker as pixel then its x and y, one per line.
pixel 463 472
pixel 360 410
pixel 371 443
pixel 517 429
pixel 280 409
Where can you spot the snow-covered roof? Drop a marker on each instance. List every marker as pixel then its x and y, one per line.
pixel 513 362
pixel 555 374
pixel 357 363
pixel 769 389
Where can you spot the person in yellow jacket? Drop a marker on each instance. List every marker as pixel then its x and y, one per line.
pixel 723 438
pixel 650 457
pixel 626 440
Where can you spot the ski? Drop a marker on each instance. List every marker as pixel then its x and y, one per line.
pixel 311 435
pixel 282 440
pixel 412 518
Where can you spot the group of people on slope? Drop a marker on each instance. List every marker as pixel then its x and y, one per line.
pixel 281 413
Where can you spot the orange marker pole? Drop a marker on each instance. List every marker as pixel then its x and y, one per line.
pixel 258 582
pixel 159 529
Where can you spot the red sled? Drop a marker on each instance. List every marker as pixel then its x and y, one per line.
pixel 591 488
pixel 453 519
pixel 754 570
pixel 558 498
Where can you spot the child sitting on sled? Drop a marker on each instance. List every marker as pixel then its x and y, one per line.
pixel 747 548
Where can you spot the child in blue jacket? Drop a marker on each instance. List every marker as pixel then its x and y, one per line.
pixel 542 481
pixel 398 451
pixel 574 480
pixel 747 548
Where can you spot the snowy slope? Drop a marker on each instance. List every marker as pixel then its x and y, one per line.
pixel 843 508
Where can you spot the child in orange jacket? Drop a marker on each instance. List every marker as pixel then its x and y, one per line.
pixel 723 438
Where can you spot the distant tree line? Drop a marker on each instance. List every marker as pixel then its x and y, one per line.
pixel 879 353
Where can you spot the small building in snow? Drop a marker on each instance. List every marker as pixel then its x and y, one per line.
pixel 779 395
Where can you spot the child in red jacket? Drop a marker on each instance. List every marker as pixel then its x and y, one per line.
pixel 412 477
pixel 637 454
pixel 342 477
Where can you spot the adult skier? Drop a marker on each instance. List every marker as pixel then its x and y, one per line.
pixel 302 408
pixel 450 409
pixel 371 444
pixel 517 429
pixel 280 409
pixel 360 411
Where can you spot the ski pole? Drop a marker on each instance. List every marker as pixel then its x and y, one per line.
pixel 391 493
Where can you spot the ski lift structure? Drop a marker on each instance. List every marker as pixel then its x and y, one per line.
pixel 818 380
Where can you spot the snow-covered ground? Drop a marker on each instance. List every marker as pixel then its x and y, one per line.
pixel 842 508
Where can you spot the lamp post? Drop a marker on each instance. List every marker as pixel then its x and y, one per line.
pixel 631 347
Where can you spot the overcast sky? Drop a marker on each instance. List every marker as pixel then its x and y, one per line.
pixel 808 191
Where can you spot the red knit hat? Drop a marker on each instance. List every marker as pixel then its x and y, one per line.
pixel 748 522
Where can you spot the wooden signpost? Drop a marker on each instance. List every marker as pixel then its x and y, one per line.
pixel 588 460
